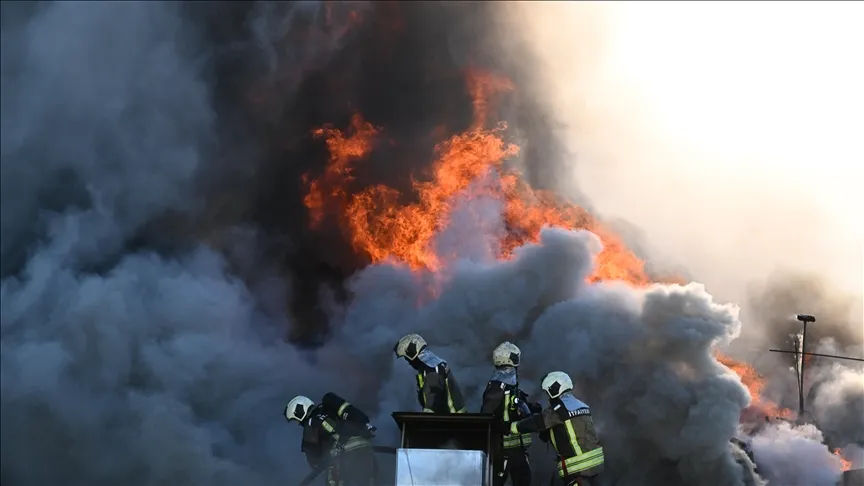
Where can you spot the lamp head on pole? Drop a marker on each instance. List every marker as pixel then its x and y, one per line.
pixel 805 318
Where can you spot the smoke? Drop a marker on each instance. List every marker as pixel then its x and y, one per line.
pixel 839 315
pixel 642 359
pixel 837 404
pixel 155 250
pixel 736 121
pixel 726 133
pixel 834 389
pixel 131 353
pixel 814 464
pixel 154 245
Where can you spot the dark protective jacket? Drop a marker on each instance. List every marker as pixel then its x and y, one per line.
pixel 501 398
pixel 437 389
pixel 334 421
pixel 571 430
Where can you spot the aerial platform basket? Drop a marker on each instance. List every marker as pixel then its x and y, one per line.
pixel 445 449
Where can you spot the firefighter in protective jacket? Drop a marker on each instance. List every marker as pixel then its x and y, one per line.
pixel 336 436
pixel 571 429
pixel 437 389
pixel 508 404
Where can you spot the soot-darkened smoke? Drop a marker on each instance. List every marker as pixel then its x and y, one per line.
pixel 834 389
pixel 401 66
pixel 155 249
pixel 775 303
pixel 154 243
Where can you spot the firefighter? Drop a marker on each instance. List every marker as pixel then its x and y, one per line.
pixel 336 436
pixel 508 404
pixel 571 430
pixel 437 389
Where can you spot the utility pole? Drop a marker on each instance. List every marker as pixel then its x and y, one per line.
pixel 804 318
pixel 801 350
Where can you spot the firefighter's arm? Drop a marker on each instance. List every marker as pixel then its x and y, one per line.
pixel 537 422
pixel 493 398
pixel 340 407
pixel 434 392
pixel 452 391
pixel 533 406
pixel 312 445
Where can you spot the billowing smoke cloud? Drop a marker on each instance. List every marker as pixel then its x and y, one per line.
pixel 153 242
pixel 775 301
pixel 642 359
pixel 814 464
pixel 130 353
pixel 833 388
pixel 154 252
pixel 676 105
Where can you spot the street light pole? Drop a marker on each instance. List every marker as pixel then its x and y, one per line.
pixel 805 319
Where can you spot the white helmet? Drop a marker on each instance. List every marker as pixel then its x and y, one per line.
pixel 409 346
pixel 506 354
pixel 556 383
pixel 299 408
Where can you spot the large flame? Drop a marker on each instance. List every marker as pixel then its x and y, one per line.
pixel 468 165
pixel 760 407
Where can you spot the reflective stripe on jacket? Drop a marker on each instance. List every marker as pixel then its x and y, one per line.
pixel 571 430
pixel 510 412
pixel 438 391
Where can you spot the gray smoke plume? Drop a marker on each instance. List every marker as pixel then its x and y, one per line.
pixel 642 358
pixel 124 366
pixel 813 463
pixel 835 398
pixel 134 353
pixel 833 389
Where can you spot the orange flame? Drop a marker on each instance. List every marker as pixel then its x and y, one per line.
pixel 381 227
pixel 845 464
pixel 482 86
pixel 329 190
pixel 759 407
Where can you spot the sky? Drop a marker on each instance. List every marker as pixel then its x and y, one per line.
pixel 726 131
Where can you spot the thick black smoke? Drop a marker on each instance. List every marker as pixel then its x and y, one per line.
pixel 153 237
pixel 155 250
pixel 402 67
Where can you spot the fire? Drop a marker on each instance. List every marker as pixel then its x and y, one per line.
pixel 483 87
pixel 330 188
pixel 845 464
pixel 380 227
pixel 759 407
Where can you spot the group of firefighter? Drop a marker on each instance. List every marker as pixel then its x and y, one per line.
pixel 337 435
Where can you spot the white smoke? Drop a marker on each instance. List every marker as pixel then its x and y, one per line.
pixel 836 402
pixel 795 456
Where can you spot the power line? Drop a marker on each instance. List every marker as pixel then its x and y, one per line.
pixel 816 354
pixel 802 351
